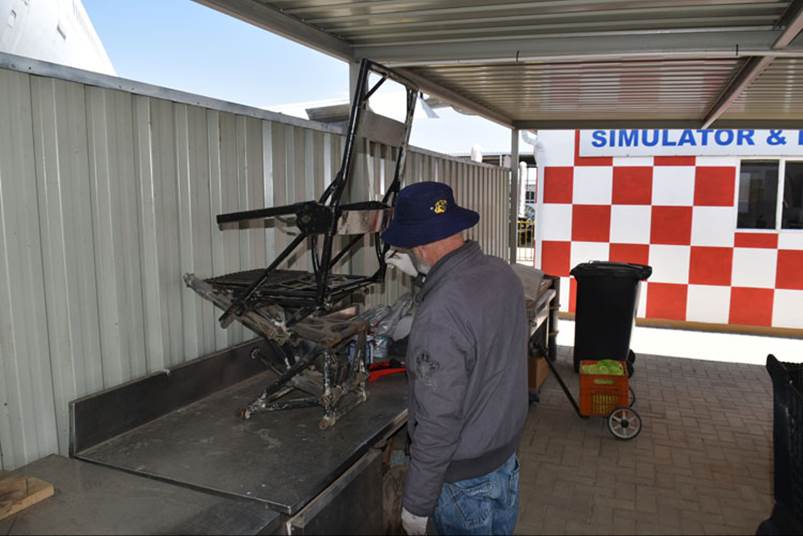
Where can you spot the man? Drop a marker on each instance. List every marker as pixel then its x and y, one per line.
pixel 467 362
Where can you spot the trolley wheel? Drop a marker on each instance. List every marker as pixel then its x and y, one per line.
pixel 624 423
pixel 632 400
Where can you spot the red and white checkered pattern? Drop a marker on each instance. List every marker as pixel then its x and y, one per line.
pixel 677 214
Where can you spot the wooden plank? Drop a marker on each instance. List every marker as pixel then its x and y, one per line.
pixel 21 492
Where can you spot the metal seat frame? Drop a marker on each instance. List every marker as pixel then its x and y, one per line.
pixel 318 353
pixel 321 218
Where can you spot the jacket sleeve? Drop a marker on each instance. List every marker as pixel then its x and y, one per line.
pixel 440 363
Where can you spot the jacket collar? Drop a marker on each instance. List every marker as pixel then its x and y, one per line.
pixel 469 251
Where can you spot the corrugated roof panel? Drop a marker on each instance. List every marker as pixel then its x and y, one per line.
pixel 777 93
pixel 510 59
pixel 400 22
pixel 656 89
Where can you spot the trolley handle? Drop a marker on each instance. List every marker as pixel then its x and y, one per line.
pixel 566 390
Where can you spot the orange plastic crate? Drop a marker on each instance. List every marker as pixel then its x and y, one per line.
pixel 601 393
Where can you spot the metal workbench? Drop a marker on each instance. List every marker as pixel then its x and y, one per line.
pixel 194 436
pixel 91 499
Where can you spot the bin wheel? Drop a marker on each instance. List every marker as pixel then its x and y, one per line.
pixel 632 400
pixel 630 362
pixel 624 423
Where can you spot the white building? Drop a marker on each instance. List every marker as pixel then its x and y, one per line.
pixel 57 31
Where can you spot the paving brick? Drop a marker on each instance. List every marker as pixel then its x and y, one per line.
pixel 554 524
pixel 718 530
pixel 668 515
pixel 529 528
pixel 562 488
pixel 702 463
pixel 575 527
pixel 737 517
pixel 624 526
pixel 661 452
pixel 646 503
pixel 689 526
pixel 604 491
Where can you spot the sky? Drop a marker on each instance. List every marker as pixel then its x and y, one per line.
pixel 183 45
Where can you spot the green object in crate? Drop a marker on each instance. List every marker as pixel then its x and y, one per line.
pixel 609 367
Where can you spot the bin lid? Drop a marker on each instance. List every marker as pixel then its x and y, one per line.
pixel 612 269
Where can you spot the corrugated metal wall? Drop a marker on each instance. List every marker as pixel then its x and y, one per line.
pixel 107 197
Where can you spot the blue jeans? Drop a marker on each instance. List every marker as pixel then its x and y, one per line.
pixel 488 504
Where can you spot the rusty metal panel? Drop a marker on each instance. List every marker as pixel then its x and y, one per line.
pixel 108 196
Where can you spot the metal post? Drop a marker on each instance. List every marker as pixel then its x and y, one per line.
pixel 514 193
pixel 357 262
pixel 354 75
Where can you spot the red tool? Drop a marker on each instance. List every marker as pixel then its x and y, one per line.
pixel 385 368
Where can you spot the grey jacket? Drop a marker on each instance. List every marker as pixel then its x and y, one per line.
pixel 467 366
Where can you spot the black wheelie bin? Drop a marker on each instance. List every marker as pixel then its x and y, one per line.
pixel 787 439
pixel 607 301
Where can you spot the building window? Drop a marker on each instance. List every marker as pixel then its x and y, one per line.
pixel 792 213
pixel 758 194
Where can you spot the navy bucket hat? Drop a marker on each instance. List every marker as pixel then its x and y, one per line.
pixel 426 212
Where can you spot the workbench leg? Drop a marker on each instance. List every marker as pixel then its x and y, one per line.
pixel 552 323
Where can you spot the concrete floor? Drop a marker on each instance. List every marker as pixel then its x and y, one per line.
pixel 710 346
pixel 701 465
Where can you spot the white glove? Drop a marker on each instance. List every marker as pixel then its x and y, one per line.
pixel 402 261
pixel 412 524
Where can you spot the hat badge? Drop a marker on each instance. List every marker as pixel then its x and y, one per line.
pixel 439 207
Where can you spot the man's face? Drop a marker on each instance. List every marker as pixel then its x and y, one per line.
pixel 417 255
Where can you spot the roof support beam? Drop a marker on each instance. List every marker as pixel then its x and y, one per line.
pixel 793 24
pixel 751 70
pixel 748 73
pixel 277 22
pixel 620 47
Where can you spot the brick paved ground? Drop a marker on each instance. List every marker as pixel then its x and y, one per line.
pixel 701 465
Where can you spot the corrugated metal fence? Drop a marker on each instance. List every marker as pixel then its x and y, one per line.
pixel 108 196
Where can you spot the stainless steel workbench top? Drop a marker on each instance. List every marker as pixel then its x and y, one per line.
pixel 91 499
pixel 282 459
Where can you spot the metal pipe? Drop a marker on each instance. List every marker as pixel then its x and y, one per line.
pixel 376 87
pixel 565 389
pixel 395 186
pixel 514 193
pixel 339 184
pixel 299 365
pixel 258 214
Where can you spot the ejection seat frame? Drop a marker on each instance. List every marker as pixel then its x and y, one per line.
pixel 317 350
